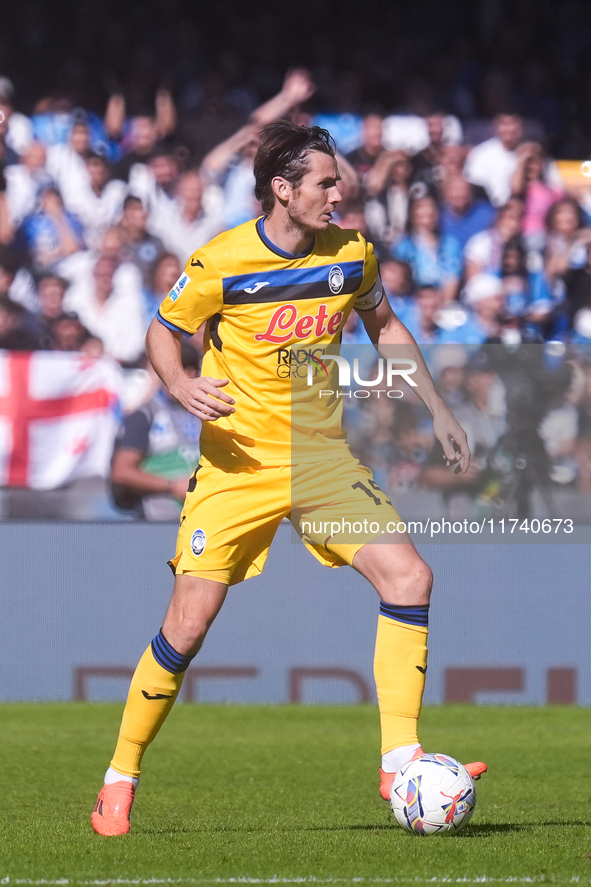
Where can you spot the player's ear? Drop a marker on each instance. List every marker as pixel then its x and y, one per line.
pixel 281 188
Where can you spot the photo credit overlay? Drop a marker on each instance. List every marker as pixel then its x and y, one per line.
pixel 367 466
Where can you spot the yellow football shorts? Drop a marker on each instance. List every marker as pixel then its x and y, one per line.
pixel 230 518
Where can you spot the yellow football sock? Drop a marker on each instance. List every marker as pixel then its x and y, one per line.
pixel 400 664
pixel 151 696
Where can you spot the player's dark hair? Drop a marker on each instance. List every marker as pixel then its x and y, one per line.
pixel 283 151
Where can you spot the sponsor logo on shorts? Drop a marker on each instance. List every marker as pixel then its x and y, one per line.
pixel 336 279
pixel 178 287
pixel 198 542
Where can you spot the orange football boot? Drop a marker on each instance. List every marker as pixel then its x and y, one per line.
pixel 111 811
pixel 386 779
pixel 475 770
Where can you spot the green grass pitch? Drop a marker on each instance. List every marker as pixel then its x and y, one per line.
pixel 288 794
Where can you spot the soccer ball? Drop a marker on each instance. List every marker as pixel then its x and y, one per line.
pixel 433 794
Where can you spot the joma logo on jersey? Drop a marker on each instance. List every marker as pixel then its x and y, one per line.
pixel 286 324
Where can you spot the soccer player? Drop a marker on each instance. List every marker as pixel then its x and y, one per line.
pixel 290 278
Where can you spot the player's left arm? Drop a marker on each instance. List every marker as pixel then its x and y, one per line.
pixel 384 329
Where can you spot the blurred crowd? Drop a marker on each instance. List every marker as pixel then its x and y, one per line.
pixel 480 238
pixel 479 241
pixel 527 415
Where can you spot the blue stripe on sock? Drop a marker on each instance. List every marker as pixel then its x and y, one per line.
pixel 418 615
pixel 167 656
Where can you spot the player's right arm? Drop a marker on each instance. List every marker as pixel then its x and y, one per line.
pixel 202 396
pixel 196 296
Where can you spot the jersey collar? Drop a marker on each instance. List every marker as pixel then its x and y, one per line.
pixel 260 226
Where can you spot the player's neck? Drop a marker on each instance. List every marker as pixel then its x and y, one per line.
pixel 290 238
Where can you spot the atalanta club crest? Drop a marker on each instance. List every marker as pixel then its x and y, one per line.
pixel 198 542
pixel 336 279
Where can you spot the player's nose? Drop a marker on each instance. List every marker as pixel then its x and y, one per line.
pixel 335 195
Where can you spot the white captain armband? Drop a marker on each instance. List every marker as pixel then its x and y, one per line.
pixel 372 298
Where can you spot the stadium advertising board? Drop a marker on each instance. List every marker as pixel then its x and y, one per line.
pixel 509 624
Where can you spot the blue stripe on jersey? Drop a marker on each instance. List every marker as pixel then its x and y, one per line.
pixel 171 326
pixel 289 284
pixel 418 615
pixel 167 656
pixel 260 226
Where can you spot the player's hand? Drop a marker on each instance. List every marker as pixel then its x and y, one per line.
pixel 452 438
pixel 203 398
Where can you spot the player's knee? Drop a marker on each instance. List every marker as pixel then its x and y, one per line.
pixel 194 628
pixel 186 633
pixel 424 582
pixel 409 585
pixel 417 583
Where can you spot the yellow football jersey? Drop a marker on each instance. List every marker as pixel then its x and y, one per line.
pixel 270 315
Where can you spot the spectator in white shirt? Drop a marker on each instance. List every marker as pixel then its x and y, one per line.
pixel 109 304
pixel 492 163
pixel 25 181
pixel 20 131
pixel 229 165
pixel 192 219
pixel 155 183
pixel 67 165
pixel 98 202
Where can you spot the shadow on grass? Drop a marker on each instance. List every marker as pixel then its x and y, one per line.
pixel 483 829
pixel 472 831
pixel 475 830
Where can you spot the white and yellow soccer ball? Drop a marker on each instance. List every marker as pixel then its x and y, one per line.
pixel 432 795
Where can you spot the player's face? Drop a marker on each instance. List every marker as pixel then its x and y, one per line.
pixel 312 203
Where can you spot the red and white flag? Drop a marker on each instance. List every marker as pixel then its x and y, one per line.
pixel 59 413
